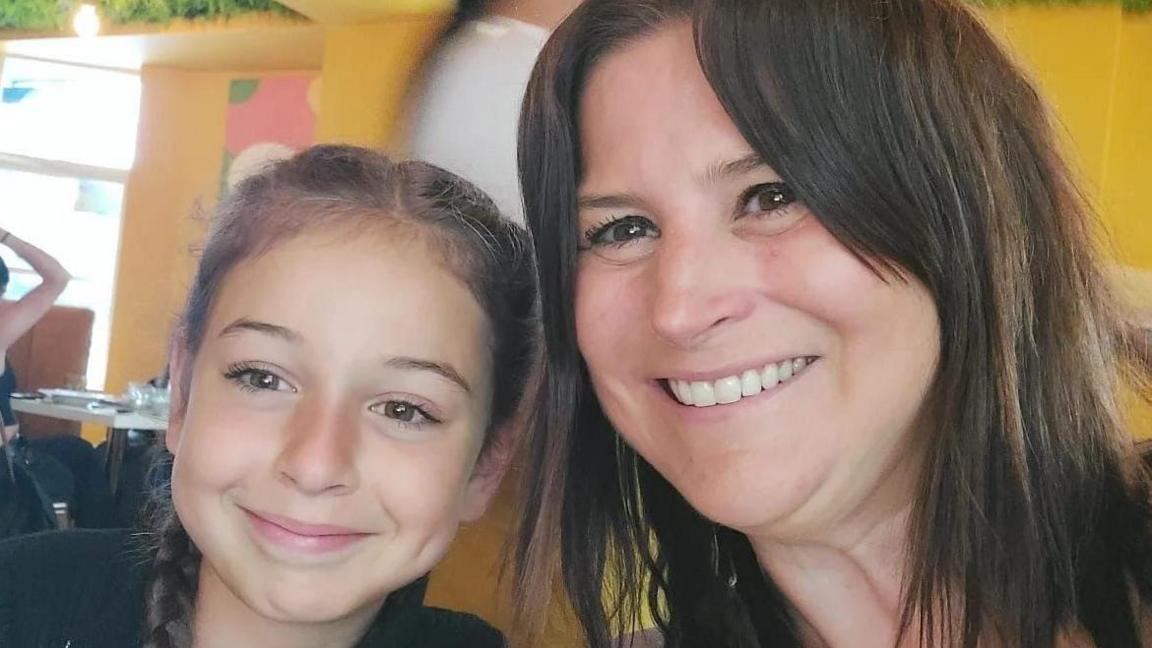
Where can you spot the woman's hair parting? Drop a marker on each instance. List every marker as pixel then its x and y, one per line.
pixel 327 188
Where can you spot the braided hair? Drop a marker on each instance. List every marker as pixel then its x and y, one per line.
pixel 328 187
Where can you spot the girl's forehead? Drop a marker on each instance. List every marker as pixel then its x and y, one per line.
pixel 359 295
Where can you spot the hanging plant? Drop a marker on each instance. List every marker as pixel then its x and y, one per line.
pixel 1135 6
pixel 46 15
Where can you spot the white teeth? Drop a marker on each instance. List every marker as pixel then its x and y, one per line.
pixel 785 370
pixel 703 394
pixel 731 389
pixel 750 383
pixel 685 392
pixel 728 390
pixel 770 377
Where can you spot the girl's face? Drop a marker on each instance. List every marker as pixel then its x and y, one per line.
pixel 334 419
pixel 759 365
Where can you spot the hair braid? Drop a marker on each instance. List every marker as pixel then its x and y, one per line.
pixel 171 597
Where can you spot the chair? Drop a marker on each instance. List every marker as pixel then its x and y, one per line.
pixel 51 354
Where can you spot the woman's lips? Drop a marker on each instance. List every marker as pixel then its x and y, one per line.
pixel 303 536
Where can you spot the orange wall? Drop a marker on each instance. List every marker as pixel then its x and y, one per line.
pixel 1127 191
pixel 366 75
pixel 177 170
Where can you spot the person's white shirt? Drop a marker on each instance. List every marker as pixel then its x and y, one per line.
pixel 466 113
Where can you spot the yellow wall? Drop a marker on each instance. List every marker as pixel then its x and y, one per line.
pixel 1091 62
pixel 366 74
pixel 177 170
pixel 1127 187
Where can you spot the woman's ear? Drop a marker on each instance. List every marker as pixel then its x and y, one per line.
pixel 179 381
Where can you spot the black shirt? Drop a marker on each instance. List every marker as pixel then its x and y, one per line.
pixel 85 589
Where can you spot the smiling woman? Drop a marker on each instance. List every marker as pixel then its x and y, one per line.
pixel 335 417
pixel 831 357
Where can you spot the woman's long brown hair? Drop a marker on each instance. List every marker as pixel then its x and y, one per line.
pixel 921 147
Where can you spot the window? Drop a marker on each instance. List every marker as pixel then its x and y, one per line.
pixel 67 139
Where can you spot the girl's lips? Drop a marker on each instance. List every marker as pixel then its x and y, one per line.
pixel 303 536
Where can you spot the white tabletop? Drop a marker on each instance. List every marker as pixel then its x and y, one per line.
pixel 106 416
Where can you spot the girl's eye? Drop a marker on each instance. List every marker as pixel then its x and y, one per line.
pixel 404 412
pixel 256 379
pixel 767 198
pixel 619 231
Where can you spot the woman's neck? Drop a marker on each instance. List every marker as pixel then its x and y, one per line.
pixel 846 589
pixel 842 569
pixel 223 620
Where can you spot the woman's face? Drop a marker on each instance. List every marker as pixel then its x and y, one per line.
pixel 759 365
pixel 334 419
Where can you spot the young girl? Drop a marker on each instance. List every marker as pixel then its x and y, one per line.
pixel 336 415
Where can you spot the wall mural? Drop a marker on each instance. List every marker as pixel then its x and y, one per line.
pixel 269 119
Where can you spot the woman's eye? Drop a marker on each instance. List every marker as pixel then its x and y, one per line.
pixel 769 209
pixel 767 197
pixel 404 412
pixel 254 379
pixel 619 231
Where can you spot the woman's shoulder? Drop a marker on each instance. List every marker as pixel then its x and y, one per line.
pixel 65 584
pixel 432 627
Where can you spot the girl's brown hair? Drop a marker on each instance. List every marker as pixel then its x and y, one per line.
pixel 921 147
pixel 334 187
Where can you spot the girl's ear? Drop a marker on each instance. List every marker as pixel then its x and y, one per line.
pixel 506 442
pixel 490 469
pixel 179 382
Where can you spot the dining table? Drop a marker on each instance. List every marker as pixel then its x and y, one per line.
pixel 115 421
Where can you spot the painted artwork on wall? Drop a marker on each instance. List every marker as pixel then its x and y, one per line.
pixel 269 118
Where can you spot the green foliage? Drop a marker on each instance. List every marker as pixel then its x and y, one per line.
pixel 35 15
pixel 1135 6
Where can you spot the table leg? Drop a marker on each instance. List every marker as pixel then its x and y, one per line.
pixel 117 445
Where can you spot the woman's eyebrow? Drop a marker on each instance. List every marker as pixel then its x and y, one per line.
pixel 608 201
pixel 733 168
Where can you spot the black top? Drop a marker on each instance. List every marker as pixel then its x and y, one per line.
pixel 7 386
pixel 85 589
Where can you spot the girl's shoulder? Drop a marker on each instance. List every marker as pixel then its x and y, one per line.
pixel 79 586
pixel 432 627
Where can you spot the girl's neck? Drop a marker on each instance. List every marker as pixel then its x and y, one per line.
pixel 223 620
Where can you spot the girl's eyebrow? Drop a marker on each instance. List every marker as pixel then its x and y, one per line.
pixel 443 369
pixel 275 330
pixel 406 363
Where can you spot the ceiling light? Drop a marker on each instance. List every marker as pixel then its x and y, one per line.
pixel 86 21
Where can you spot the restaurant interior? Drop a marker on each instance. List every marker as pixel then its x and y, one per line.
pixel 119 131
